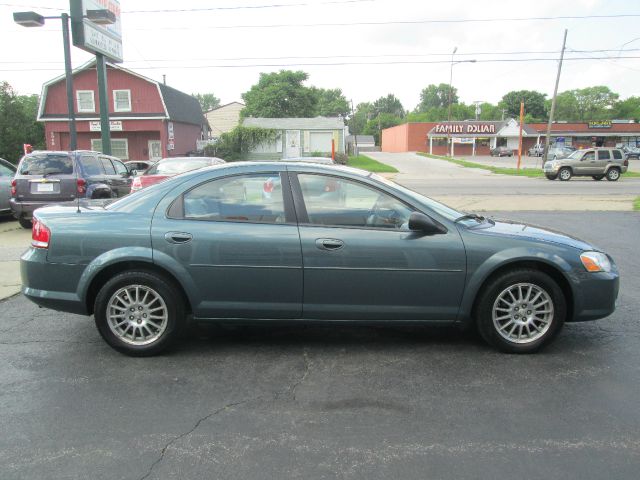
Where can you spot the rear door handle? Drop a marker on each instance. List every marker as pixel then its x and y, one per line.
pixel 330 244
pixel 178 237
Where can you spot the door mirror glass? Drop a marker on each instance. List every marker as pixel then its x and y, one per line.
pixel 419 222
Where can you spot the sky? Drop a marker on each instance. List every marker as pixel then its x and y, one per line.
pixel 368 48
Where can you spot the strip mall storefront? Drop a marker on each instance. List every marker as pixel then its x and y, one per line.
pixel 478 137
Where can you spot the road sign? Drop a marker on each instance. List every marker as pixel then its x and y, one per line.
pixel 94 38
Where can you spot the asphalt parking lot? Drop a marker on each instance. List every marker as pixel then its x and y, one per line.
pixel 328 402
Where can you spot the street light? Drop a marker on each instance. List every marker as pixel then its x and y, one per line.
pixel 33 19
pixel 451 77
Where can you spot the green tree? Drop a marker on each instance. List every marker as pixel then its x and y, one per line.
pixel 534 104
pixel 280 94
pixel 627 109
pixel 331 103
pixel 436 96
pixel 488 112
pixel 18 123
pixel 586 104
pixel 379 123
pixel 389 104
pixel 358 121
pixel 208 101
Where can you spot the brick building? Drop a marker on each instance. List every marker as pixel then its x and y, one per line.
pixel 149 120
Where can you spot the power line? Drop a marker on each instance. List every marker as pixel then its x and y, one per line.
pixel 249 7
pixel 324 64
pixel 322 57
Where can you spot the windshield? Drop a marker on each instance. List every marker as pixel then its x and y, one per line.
pixel 174 167
pixel 441 209
pixel 576 154
pixel 46 165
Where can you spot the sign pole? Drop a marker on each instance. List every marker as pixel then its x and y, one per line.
pixel 105 130
pixel 73 135
pixel 520 142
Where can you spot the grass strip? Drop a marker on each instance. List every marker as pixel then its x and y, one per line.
pixel 366 163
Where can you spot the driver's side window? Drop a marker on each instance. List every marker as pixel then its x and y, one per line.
pixel 334 201
pixel 589 156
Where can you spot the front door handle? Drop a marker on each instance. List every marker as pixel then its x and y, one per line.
pixel 178 237
pixel 330 244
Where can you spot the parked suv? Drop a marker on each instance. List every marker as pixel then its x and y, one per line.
pixel 49 177
pixel 593 162
pixel 7 171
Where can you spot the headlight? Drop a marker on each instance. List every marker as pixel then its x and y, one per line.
pixel 595 262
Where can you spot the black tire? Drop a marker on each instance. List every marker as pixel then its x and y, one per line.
pixel 613 174
pixel 597 178
pixel 489 295
pixel 25 223
pixel 565 174
pixel 159 285
pixel 551 177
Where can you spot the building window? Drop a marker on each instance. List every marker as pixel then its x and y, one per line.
pixel 119 147
pixel 86 101
pixel 122 100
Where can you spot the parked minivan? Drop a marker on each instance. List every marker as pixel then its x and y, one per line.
pixel 50 177
pixel 596 163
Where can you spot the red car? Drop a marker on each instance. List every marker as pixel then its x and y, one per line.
pixel 169 167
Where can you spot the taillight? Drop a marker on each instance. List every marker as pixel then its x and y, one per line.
pixel 82 186
pixel 40 234
pixel 268 186
pixel 14 189
pixel 136 185
pixel 626 163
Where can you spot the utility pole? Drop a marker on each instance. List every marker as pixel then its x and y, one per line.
pixel 520 134
pixel 355 135
pixel 553 101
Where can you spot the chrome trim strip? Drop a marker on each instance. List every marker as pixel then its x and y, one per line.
pixel 387 269
pixel 245 266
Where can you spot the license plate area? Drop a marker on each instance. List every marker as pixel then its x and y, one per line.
pixel 45 187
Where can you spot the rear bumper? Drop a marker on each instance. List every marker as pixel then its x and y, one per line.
pixel 25 209
pixel 38 276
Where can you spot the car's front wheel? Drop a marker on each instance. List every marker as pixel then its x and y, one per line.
pixel 139 313
pixel 520 311
pixel 551 177
pixel 613 174
pixel 565 174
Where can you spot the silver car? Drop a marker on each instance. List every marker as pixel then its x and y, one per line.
pixel 596 163
pixel 7 171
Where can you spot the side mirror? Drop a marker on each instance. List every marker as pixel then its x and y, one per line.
pixel 419 222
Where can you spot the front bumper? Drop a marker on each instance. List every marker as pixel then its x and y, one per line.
pixel 595 295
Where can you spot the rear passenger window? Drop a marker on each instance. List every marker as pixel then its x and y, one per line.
pixel 91 165
pixel 604 155
pixel 242 198
pixel 617 154
pixel 107 166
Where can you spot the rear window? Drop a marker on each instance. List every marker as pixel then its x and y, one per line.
pixel 174 167
pixel 46 165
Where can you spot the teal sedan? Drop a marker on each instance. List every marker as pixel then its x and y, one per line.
pixel 331 244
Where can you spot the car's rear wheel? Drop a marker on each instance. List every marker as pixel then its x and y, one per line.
pixel 138 313
pixel 25 223
pixel 613 174
pixel 520 311
pixel 565 174
pixel 597 177
pixel 551 177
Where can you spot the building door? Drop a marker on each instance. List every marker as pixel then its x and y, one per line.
pixel 292 147
pixel 155 150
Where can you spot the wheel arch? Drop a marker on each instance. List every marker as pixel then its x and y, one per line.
pixel 109 271
pixel 554 271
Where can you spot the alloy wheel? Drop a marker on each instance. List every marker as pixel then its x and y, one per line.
pixel 137 315
pixel 522 313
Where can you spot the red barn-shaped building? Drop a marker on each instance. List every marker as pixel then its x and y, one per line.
pixel 149 120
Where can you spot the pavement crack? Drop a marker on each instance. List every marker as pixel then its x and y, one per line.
pixel 191 430
pixel 307 369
